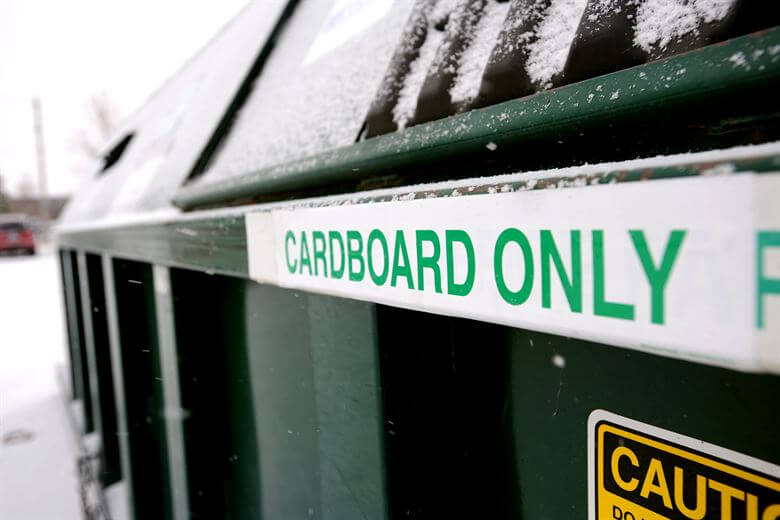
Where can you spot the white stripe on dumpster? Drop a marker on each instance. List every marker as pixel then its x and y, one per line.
pixel 685 267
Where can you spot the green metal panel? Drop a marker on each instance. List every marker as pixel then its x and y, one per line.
pixel 283 391
pixel 488 421
pixel 549 407
pixel 67 299
pixel 216 244
pixel 315 390
pixel 349 420
pixel 143 391
pixel 78 342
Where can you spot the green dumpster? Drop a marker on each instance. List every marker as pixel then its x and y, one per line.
pixel 441 259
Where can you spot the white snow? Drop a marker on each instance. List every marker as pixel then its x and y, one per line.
pixel 599 8
pixel 299 109
pixel 738 59
pixel 407 99
pixel 660 22
pixel 548 54
pixel 559 361
pixel 475 57
pixel 38 478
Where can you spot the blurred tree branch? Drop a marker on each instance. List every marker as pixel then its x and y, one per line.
pixel 102 118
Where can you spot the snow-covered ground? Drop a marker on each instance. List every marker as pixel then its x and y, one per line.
pixel 38 447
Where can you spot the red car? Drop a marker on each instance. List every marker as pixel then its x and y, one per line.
pixel 16 236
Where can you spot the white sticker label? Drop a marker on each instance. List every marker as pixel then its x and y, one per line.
pixel 668 266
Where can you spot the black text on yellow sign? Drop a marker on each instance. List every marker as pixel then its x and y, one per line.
pixel 643 477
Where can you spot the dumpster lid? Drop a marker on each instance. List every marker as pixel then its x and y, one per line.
pixel 156 147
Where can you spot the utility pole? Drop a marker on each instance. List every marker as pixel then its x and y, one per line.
pixel 40 149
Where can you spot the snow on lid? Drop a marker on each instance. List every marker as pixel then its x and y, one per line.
pixel 660 22
pixel 475 57
pixel 599 8
pixel 438 17
pixel 299 109
pixel 548 54
pixel 443 8
pixel 347 18
pixel 173 126
pixel 418 70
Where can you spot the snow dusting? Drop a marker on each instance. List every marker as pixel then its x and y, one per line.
pixel 661 22
pixel 418 70
pixel 599 8
pixel 738 60
pixel 548 54
pixel 298 109
pixel 476 56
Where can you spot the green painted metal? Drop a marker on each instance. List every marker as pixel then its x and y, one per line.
pixel 549 407
pixel 299 405
pixel 216 244
pixel 77 338
pixel 343 341
pixel 315 388
pixel 557 123
pixel 67 299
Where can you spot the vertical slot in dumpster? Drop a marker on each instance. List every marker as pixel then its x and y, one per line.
pixel 446 394
pixel 136 313
pixel 217 412
pixel 111 470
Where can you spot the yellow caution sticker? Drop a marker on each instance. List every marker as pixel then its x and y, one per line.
pixel 640 472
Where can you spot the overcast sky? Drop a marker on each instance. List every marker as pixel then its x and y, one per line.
pixel 67 51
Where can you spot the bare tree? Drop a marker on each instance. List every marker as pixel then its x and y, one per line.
pixel 102 118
